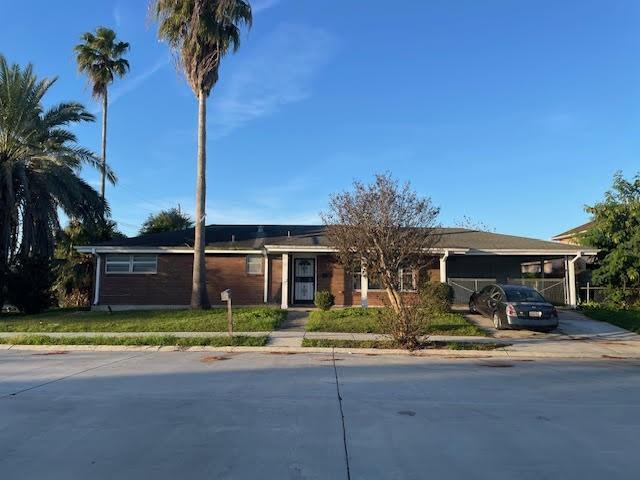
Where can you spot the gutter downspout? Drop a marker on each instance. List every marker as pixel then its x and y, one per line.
pixel 96 298
pixel 573 293
pixel 443 267
pixel 266 276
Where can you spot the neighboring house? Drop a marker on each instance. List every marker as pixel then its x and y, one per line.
pixel 287 264
pixel 570 237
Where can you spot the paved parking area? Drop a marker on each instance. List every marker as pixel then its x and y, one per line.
pixel 571 323
pixel 253 415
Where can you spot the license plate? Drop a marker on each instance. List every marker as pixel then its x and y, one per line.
pixel 535 314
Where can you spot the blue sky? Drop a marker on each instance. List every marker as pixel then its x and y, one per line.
pixel 513 113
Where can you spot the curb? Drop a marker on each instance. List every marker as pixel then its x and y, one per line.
pixel 437 353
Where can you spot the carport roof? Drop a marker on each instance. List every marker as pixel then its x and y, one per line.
pixel 310 237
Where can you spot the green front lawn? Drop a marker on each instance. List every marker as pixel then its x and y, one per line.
pixel 342 343
pixel 259 319
pixel 150 340
pixel 628 319
pixel 367 320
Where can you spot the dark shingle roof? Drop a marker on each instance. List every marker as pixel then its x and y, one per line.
pixel 257 236
pixel 570 233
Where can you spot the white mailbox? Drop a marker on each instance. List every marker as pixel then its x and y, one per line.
pixel 225 295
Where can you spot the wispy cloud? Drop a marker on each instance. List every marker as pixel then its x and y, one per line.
pixel 278 72
pixel 128 85
pixel 118 15
pixel 261 5
pixel 135 82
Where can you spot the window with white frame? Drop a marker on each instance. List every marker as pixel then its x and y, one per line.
pixel 406 276
pixel 407 280
pixel 120 263
pixel 373 283
pixel 254 264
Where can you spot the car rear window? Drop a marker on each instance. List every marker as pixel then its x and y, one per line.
pixel 523 295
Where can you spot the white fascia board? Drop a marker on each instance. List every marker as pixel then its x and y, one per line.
pixel 133 250
pixel 293 248
pixel 589 252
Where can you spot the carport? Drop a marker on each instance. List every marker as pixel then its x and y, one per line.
pixel 472 259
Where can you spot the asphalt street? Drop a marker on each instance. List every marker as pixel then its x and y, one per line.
pixel 105 415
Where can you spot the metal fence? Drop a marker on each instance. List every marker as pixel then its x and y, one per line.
pixel 553 289
pixel 589 293
pixel 464 287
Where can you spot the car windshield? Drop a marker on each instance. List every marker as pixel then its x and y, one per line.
pixel 523 295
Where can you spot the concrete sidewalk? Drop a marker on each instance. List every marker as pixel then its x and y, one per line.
pixel 290 342
pixel 577 337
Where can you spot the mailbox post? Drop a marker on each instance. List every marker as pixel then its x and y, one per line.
pixel 225 296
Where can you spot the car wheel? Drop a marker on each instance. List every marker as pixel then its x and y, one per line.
pixel 496 321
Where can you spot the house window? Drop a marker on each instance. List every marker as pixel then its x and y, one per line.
pixel 407 280
pixel 131 264
pixel 373 284
pixel 254 264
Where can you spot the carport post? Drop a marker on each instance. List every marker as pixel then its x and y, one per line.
pixel 573 294
pixel 266 277
pixel 443 267
pixel 96 298
pixel 364 286
pixel 285 281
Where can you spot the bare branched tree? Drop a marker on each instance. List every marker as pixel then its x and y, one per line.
pixel 385 227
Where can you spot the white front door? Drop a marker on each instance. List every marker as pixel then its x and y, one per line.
pixel 304 280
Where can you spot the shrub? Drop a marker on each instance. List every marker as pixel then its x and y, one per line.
pixel 405 325
pixel 618 297
pixel 436 298
pixel 29 284
pixel 324 300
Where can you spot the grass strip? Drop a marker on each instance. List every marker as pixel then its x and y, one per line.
pixel 246 319
pixel 146 340
pixel 345 343
pixel 368 320
pixel 627 319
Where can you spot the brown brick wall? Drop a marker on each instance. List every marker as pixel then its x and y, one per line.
pixel 230 272
pixel 172 284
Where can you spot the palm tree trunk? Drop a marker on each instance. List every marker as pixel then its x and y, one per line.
pixel 104 145
pixel 199 297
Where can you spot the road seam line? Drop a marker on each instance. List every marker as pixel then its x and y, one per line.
pixel 14 394
pixel 344 431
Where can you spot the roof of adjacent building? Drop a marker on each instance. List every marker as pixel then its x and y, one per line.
pixel 296 236
pixel 573 231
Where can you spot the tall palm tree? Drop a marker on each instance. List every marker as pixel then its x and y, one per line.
pixel 40 162
pixel 100 57
pixel 201 33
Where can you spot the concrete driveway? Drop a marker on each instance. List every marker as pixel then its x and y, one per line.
pixel 246 416
pixel 571 324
